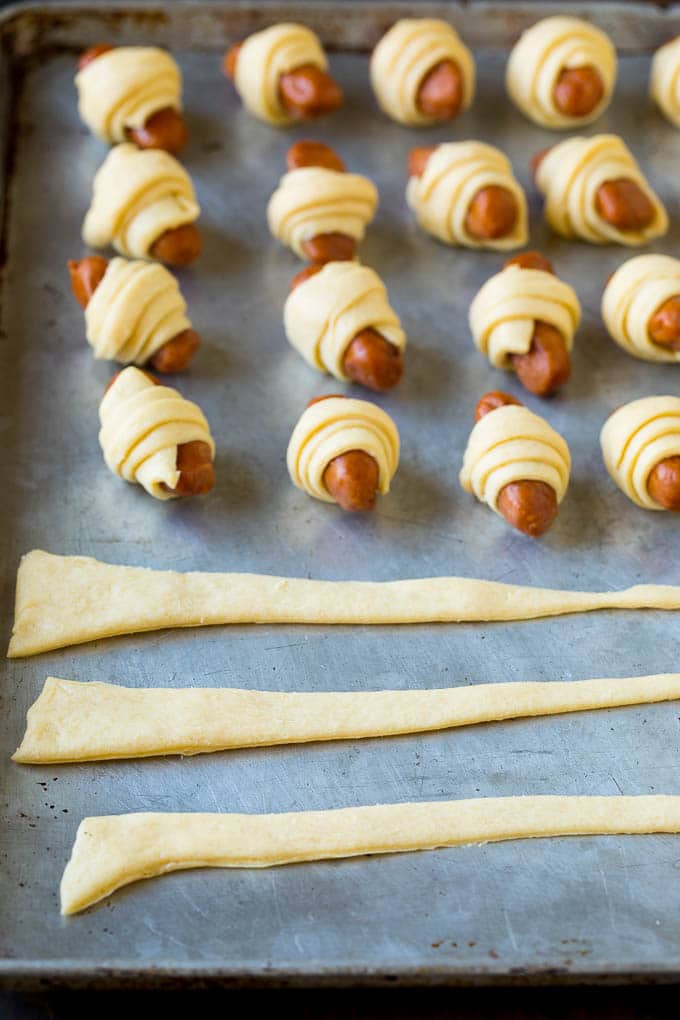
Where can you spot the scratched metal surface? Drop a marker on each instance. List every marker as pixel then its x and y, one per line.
pixel 524 910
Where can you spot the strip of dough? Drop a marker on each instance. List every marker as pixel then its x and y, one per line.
pixel 67 600
pixel 73 721
pixel 115 850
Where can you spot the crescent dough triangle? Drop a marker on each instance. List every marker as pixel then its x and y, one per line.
pixel 67 600
pixel 114 850
pixel 73 721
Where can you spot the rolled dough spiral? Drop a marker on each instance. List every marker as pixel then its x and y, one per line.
pixel 136 309
pixel 324 314
pixel 570 175
pixel 542 52
pixel 635 438
pixel 512 444
pixel 264 57
pixel 453 175
pixel 504 312
pixel 664 82
pixel 138 195
pixel 124 87
pixel 142 424
pixel 633 294
pixel 404 57
pixel 335 426
pixel 314 200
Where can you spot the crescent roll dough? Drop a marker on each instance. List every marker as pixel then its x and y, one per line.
pixel 512 444
pixel 335 426
pixel 124 87
pixel 569 177
pixel 635 438
pixel 138 195
pixel 664 82
pixel 111 851
pixel 136 309
pixel 314 200
pixel 264 57
pixel 142 424
pixel 453 175
pixel 542 53
pixel 504 312
pixel 404 57
pixel 633 294
pixel 325 312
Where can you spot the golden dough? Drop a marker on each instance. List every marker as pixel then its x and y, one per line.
pixel 115 850
pixel 664 82
pixel 504 312
pixel 335 426
pixel 324 313
pixel 314 200
pixel 138 195
pixel 569 176
pixel 635 438
pixel 134 311
pixel 73 721
pixel 512 444
pixel 67 600
pixel 125 87
pixel 142 424
pixel 264 57
pixel 542 53
pixel 405 56
pixel 632 295
pixel 453 175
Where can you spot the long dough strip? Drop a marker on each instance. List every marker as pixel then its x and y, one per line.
pixel 67 600
pixel 115 850
pixel 72 721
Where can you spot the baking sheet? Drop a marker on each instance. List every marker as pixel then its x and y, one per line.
pixel 604 908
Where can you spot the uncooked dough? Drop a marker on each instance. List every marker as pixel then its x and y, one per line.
pixel 543 52
pixel 335 426
pixel 504 312
pixel 324 313
pixel 664 82
pixel 512 444
pixel 314 200
pixel 138 195
pixel 125 87
pixel 632 295
pixel 405 56
pixel 73 721
pixel 264 57
pixel 635 438
pixel 142 426
pixel 570 175
pixel 134 311
pixel 67 600
pixel 114 850
pixel 453 175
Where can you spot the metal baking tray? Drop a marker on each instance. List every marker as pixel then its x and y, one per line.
pixel 549 910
